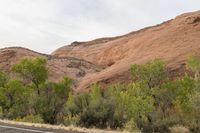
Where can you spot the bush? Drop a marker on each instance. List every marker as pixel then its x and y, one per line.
pixel 1 113
pixel 71 120
pixel 31 118
pixel 93 109
pixel 52 100
pixel 13 99
pixel 152 103
pixel 153 73
pixel 130 125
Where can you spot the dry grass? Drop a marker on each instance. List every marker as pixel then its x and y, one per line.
pixel 61 127
pixel 179 129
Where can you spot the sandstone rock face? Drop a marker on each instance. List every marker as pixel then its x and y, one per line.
pixel 107 60
pixel 173 41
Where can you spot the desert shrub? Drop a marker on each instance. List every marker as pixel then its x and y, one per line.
pixel 52 100
pixel 71 120
pixel 31 118
pixel 1 112
pixel 130 125
pixel 13 99
pixel 93 108
pixel 151 103
pixel 77 103
pixel 3 79
pixel 114 93
pixel 132 104
pixel 31 95
pixel 193 62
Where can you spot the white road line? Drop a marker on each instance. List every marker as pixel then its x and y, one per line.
pixel 24 129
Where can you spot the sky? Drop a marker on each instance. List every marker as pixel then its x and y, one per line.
pixel 45 25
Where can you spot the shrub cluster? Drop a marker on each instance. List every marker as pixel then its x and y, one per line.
pixel 152 102
pixel 28 96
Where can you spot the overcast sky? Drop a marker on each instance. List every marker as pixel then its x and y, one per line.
pixel 45 25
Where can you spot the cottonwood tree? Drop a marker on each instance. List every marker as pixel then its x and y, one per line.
pixel 14 99
pixel 32 70
pixel 153 72
pixel 53 97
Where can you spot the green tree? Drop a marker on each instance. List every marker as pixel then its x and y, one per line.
pixel 141 101
pixel 32 70
pixel 185 90
pixel 132 104
pixel 115 95
pixel 191 104
pixel 193 63
pixel 164 98
pixel 146 95
pixel 3 79
pixel 13 99
pixel 153 72
pixel 52 101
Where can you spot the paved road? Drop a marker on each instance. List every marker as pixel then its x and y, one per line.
pixel 8 128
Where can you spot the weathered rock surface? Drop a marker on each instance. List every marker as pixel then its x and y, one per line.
pixel 58 67
pixel 173 41
pixel 107 60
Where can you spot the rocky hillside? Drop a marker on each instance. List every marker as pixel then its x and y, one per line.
pixel 107 60
pixel 58 66
pixel 172 41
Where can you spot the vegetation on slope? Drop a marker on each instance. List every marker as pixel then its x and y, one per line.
pixel 151 103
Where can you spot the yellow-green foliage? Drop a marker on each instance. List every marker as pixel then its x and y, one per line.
pixel 71 120
pixel 31 118
pixel 151 103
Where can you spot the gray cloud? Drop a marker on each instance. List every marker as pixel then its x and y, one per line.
pixel 45 25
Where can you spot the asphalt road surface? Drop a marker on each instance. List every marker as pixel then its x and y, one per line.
pixel 9 128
